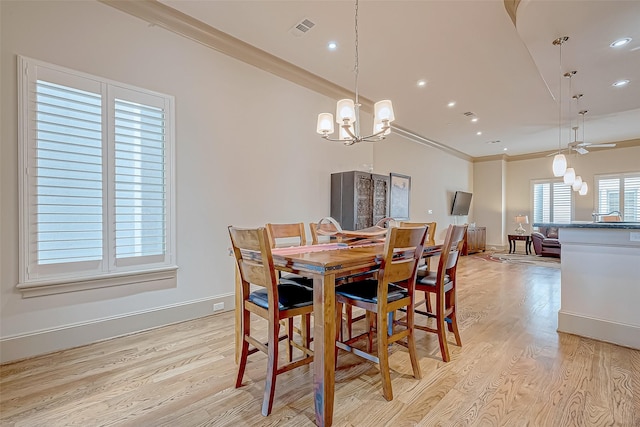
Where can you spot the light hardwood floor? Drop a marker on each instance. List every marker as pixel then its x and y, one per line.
pixel 513 369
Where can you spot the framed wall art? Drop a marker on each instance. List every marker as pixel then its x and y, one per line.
pixel 399 196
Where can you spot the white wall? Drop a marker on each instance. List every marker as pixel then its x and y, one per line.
pixel 247 154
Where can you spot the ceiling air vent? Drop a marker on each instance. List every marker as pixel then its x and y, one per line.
pixel 468 114
pixel 302 27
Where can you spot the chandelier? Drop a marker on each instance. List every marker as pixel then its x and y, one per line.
pixel 348 114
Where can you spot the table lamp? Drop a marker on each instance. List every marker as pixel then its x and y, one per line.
pixel 521 219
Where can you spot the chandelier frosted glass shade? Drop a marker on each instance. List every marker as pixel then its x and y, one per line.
pixel 577 183
pixel 569 176
pixel 584 189
pixel 325 123
pixel 559 165
pixel 345 112
pixel 383 110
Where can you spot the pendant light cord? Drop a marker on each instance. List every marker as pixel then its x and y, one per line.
pixel 356 69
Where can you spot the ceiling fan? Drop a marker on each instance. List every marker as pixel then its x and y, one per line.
pixel 581 146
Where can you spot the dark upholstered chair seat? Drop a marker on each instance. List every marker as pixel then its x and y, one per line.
pixel 290 295
pixel 431 278
pixel 307 282
pixel 367 290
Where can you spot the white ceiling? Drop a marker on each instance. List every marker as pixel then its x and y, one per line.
pixel 469 52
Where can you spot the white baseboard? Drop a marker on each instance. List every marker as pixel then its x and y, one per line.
pixel 65 337
pixel 602 330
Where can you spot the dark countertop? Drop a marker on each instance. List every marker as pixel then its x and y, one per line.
pixel 607 225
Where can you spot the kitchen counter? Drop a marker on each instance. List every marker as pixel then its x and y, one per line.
pixel 600 281
pixel 578 224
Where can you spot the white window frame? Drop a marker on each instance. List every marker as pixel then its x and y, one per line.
pixel 37 279
pixel 551 182
pixel 621 192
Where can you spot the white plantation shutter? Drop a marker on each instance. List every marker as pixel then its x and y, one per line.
pixel 67 218
pixel 98 183
pixel 619 193
pixel 552 202
pixel 139 180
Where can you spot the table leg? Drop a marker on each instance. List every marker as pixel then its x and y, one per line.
pixel 324 336
pixel 510 246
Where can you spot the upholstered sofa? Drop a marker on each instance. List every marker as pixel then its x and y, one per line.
pixel 545 241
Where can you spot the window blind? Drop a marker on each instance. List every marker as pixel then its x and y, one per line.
pixel 139 180
pixel 68 207
pixel 552 202
pixel 620 193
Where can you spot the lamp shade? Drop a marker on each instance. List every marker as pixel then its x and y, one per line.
pixel 522 219
pixel 569 176
pixel 383 110
pixel 559 165
pixel 345 109
pixel 577 183
pixel 584 189
pixel 325 123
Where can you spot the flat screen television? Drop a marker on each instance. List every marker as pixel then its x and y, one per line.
pixel 461 203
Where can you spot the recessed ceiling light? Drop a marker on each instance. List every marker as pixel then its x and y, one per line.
pixel 475 119
pixel 620 83
pixel 422 83
pixel 451 104
pixel 332 45
pixel 478 133
pixel 620 42
pixel 504 149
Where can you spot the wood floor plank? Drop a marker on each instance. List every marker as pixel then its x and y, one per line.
pixel 513 369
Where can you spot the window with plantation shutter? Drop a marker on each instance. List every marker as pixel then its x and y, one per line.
pixel 621 193
pixel 552 201
pixel 97 184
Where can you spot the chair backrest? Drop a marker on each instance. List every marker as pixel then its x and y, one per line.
pixel 402 253
pixel 431 231
pixel 451 249
pixel 254 260
pixel 294 232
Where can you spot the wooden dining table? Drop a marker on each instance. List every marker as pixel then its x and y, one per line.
pixel 326 264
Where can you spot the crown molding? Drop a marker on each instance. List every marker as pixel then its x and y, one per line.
pixel 163 16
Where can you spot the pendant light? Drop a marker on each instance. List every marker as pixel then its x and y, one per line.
pixel 348 113
pixel 560 161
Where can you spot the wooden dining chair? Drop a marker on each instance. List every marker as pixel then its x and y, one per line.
pixel 382 297
pixel 442 283
pixel 328 227
pixel 424 269
pixel 274 302
pixel 291 234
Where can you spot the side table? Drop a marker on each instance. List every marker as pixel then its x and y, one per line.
pixel 513 238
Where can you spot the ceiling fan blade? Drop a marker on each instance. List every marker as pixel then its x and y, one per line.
pixel 602 145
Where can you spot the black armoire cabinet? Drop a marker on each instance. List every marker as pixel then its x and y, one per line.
pixel 359 199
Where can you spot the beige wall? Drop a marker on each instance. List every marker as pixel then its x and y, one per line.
pixel 435 177
pixel 489 194
pixel 521 173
